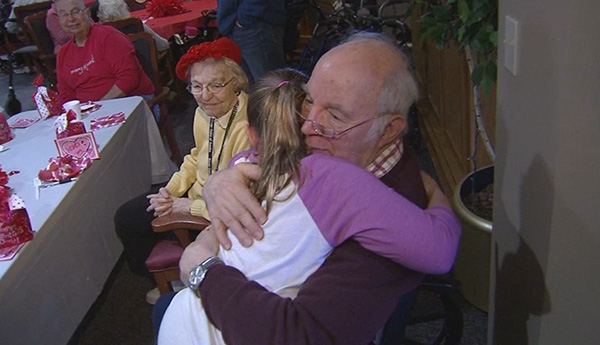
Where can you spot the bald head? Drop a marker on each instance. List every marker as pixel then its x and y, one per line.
pixel 377 69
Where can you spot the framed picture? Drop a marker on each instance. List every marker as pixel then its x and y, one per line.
pixel 78 146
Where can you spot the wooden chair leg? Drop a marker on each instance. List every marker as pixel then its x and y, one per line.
pixel 164 279
pixel 162 283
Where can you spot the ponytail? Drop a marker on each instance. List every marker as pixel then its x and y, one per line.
pixel 273 106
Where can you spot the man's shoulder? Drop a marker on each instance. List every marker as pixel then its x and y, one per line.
pixel 405 178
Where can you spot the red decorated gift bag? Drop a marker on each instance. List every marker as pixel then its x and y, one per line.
pixel 5 133
pixel 15 227
pixel 46 100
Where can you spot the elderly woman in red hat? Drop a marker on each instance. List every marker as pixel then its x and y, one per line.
pixel 216 81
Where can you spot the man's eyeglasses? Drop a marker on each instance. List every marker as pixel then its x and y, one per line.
pixel 74 13
pixel 214 88
pixel 329 132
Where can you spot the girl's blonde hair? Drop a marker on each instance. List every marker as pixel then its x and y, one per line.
pixel 273 106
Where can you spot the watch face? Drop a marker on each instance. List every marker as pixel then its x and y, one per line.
pixel 197 274
pixel 196 277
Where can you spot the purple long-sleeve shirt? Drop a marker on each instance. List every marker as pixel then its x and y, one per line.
pixel 346 301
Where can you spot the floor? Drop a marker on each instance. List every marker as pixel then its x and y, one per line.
pixel 121 316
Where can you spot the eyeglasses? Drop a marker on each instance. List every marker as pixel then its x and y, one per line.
pixel 214 88
pixel 74 13
pixel 329 132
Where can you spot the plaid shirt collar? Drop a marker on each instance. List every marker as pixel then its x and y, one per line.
pixel 387 159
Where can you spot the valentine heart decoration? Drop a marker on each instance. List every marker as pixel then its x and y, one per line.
pixel 78 146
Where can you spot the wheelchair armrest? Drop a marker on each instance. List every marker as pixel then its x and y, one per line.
pixel 180 224
pixel 440 284
pixel 176 221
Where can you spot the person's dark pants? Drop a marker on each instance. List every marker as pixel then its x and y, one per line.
pixel 261 45
pixel 160 307
pixel 133 226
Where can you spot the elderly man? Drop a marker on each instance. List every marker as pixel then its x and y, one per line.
pixel 99 62
pixel 356 105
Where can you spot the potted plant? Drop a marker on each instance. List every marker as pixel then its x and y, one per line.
pixel 473 26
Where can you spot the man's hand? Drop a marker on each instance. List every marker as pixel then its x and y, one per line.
pixel 205 246
pixel 434 193
pixel 161 203
pixel 231 205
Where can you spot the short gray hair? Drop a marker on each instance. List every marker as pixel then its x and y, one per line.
pixel 399 90
pixel 240 79
pixel 111 10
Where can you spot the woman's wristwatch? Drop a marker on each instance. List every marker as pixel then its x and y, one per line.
pixel 199 272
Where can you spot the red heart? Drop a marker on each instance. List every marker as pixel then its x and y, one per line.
pixel 76 147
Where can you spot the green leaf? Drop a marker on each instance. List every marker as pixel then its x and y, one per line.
pixel 477 74
pixel 477 15
pixel 478 4
pixel 463 10
pixel 460 33
pixel 486 84
pixel 442 13
pixel 477 45
pixel 494 38
pixel 427 22
pixel 481 41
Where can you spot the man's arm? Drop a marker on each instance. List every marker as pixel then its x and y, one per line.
pixel 113 93
pixel 345 302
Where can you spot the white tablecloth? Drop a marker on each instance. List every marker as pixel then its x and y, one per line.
pixel 46 290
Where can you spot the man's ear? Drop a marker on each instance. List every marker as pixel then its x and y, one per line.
pixel 252 136
pixel 392 130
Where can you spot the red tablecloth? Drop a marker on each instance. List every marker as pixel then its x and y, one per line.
pixel 169 26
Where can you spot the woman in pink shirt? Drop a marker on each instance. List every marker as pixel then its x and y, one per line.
pixel 99 62
pixel 59 36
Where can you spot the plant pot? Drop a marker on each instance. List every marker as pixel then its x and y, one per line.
pixel 472 265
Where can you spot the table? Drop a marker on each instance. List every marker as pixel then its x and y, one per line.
pixel 46 290
pixel 169 26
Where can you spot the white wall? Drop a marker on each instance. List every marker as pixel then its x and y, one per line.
pixel 546 241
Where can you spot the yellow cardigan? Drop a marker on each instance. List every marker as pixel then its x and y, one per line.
pixel 193 172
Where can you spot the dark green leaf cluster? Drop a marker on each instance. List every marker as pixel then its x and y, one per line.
pixel 472 23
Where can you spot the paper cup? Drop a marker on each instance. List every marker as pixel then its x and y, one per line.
pixel 191 31
pixel 75 106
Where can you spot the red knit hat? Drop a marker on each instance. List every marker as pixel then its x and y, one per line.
pixel 222 47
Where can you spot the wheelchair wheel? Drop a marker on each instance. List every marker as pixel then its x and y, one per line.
pixel 437 316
